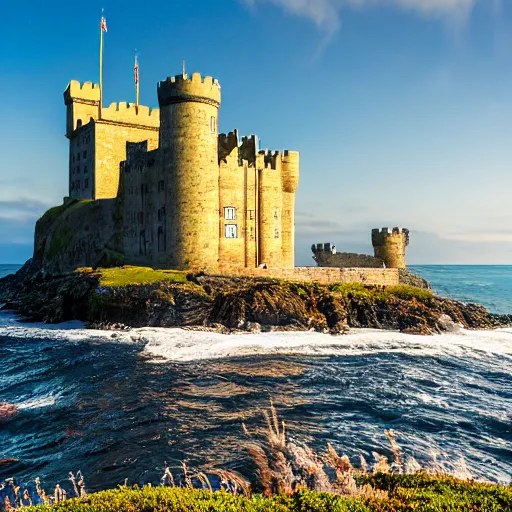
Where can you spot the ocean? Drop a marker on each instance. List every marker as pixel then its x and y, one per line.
pixel 121 405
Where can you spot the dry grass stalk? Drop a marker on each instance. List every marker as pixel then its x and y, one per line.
pixel 397 456
pixel 412 466
pixel 166 478
pixel 27 498
pixel 364 465
pixel 232 482
pixel 7 504
pixel 188 480
pixel 381 464
pixel 40 492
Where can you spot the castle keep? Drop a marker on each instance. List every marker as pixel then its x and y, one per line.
pixel 191 198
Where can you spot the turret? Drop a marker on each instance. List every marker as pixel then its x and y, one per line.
pixel 189 110
pixel 290 182
pixel 390 247
pixel 82 102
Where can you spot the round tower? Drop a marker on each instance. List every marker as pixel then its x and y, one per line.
pixel 390 247
pixel 189 110
pixel 290 181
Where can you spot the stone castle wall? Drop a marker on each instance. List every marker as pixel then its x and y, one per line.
pixel 328 275
pixel 110 150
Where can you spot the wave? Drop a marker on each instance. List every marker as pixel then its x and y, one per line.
pixel 186 345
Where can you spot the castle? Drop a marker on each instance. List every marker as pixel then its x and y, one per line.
pixel 162 188
pixel 191 197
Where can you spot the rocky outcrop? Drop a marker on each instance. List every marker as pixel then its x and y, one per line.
pixel 78 234
pixel 411 279
pixel 243 303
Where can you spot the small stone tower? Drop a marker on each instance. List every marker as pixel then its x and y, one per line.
pixel 390 247
pixel 189 110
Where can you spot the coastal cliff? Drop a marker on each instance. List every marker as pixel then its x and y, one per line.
pixel 137 296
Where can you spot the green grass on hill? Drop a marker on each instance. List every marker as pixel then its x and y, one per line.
pixel 402 291
pixel 128 275
pixel 406 493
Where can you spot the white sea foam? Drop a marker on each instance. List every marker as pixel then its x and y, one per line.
pixel 183 345
pixel 44 401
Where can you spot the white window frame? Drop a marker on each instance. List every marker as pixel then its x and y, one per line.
pixel 231 230
pixel 229 213
pixel 213 124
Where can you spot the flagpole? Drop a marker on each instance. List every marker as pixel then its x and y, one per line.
pixel 137 81
pixel 101 63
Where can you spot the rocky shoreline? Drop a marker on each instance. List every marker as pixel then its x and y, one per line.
pixel 224 304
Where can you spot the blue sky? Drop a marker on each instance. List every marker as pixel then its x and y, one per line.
pixel 401 109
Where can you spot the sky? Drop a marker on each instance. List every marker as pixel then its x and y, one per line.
pixel 401 109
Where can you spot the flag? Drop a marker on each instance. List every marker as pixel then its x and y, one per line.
pixel 104 24
pixel 136 71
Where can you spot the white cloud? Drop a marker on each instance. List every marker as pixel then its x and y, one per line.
pixel 326 13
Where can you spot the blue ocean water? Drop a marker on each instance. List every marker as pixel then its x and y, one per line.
pixel 8 269
pixel 488 285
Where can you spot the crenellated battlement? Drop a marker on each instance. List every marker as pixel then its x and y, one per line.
pixel 88 92
pixel 131 113
pixel 227 144
pixel 380 236
pixel 181 88
pixel 270 159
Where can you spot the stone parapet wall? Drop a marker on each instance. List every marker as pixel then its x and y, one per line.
pixel 325 275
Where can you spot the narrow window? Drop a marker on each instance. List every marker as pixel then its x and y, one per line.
pixel 85 169
pixel 251 214
pixel 230 213
pixel 161 239
pixel 78 156
pixel 213 124
pixel 85 154
pixel 142 242
pixel 275 215
pixel 86 182
pixel 161 186
pixel 161 214
pixel 276 234
pixel 231 231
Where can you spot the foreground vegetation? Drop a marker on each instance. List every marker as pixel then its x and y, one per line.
pixel 405 493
